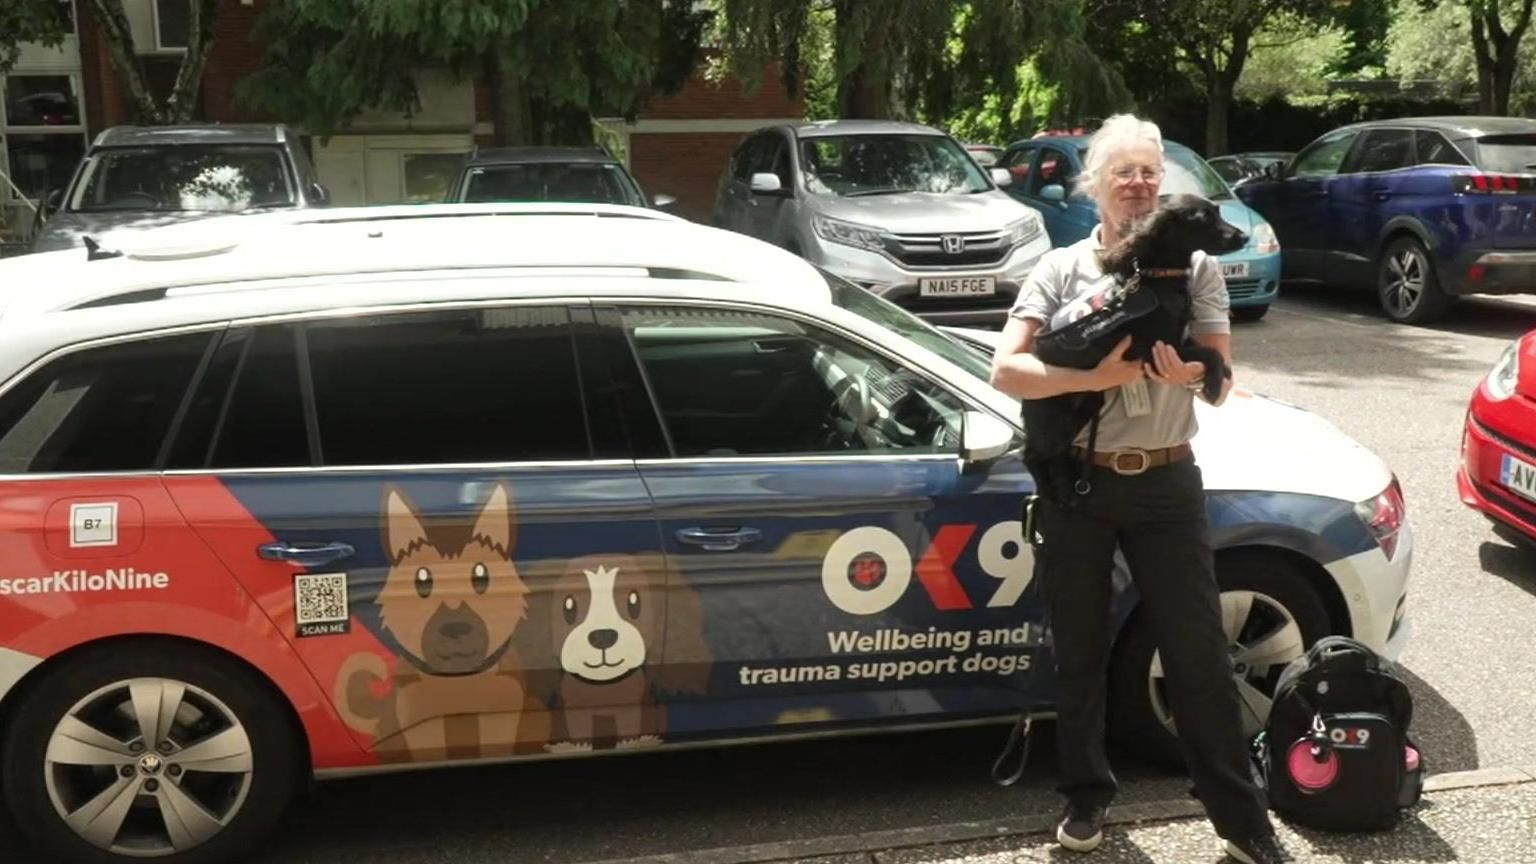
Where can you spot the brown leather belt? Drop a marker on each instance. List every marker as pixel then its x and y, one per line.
pixel 1132 460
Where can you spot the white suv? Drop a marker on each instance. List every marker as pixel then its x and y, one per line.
pixel 900 209
pixel 326 492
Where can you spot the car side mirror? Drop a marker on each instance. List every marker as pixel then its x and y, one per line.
pixel 319 193
pixel 764 183
pixel 1054 193
pixel 1002 176
pixel 53 202
pixel 984 438
pixel 664 201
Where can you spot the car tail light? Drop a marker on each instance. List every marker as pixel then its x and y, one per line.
pixel 1384 515
pixel 1493 184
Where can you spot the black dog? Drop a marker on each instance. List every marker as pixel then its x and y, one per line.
pixel 1154 258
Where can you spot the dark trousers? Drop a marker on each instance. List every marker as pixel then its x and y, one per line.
pixel 1158 520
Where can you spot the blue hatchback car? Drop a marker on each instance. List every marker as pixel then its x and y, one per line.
pixel 1043 172
pixel 1424 209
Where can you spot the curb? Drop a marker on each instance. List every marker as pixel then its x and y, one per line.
pixel 866 843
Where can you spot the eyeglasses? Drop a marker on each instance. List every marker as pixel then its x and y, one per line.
pixel 1127 173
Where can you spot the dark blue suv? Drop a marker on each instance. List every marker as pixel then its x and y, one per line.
pixel 1425 208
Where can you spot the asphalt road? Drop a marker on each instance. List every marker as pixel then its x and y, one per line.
pixel 1400 390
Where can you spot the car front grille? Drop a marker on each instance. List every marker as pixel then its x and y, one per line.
pixel 1242 289
pixel 981 248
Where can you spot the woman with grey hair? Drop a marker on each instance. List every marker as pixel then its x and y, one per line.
pixel 1153 510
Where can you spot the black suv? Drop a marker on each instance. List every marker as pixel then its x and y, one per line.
pixel 581 175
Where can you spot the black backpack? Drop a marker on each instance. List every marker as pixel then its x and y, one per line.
pixel 1336 753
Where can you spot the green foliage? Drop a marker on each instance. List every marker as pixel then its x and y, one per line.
pixel 1292 56
pixel 326 61
pixel 1435 44
pixel 41 22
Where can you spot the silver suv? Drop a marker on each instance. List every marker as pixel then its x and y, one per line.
pixel 900 209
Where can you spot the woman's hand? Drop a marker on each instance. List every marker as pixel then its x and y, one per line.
pixel 1167 368
pixel 1114 370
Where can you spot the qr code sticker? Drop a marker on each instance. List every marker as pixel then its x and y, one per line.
pixel 320 603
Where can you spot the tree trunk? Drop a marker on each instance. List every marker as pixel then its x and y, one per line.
pixel 1218 108
pixel 189 78
pixel 511 108
pixel 1482 51
pixel 1503 81
pixel 113 21
pixel 863 96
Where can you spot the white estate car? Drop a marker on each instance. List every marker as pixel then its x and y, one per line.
pixel 328 492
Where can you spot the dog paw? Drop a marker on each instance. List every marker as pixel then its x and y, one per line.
pixel 642 741
pixel 569 747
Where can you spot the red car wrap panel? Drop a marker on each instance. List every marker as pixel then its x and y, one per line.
pixel 1497 429
pixel 92 559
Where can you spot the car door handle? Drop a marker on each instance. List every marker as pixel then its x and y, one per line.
pixel 305 554
pixel 1382 196
pixel 719 539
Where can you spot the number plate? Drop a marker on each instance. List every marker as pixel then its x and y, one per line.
pixel 959 286
pixel 1518 477
pixel 1239 270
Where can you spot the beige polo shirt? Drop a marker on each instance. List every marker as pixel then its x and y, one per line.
pixel 1072 273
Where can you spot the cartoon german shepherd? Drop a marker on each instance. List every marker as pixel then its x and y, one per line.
pixel 452 601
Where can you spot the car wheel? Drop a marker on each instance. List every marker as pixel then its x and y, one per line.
pixel 151 751
pixel 1270 613
pixel 1248 314
pixel 1407 284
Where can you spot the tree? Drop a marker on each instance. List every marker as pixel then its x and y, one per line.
pixel 1292 57
pixel 47 22
pixel 920 58
pixel 1212 38
pixel 1496 48
pixel 1434 43
pixel 550 64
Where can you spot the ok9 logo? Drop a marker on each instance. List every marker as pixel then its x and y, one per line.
pixel 868 569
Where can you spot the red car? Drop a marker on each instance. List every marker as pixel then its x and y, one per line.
pixel 1498 448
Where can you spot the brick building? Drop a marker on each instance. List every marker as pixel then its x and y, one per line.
pixel 55 100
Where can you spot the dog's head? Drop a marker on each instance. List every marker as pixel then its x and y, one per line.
pixel 606 616
pixel 453 597
pixel 1168 236
pixel 609 616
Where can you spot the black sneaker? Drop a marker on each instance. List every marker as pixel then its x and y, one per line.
pixel 1259 850
pixel 1081 829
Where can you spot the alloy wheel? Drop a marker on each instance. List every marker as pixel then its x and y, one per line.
pixel 1264 638
pixel 148 767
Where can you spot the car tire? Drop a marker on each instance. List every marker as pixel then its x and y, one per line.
pixel 246 773
pixel 1249 314
pixel 1276 595
pixel 1407 285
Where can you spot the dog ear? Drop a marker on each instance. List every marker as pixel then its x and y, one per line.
pixel 686 658
pixel 403 531
pixel 497 521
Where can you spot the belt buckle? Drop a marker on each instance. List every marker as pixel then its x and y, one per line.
pixel 1117 466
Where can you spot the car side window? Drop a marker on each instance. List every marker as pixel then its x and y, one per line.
pixel 1434 149
pixel 731 383
pixel 1055 169
pixel 776 160
pixel 1384 150
pixel 1019 163
pixel 248 411
pixel 744 158
pixel 1323 158
pixel 99 409
pixel 442 387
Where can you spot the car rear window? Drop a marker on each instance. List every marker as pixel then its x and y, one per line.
pixel 577 183
pixel 101 409
pixel 1511 154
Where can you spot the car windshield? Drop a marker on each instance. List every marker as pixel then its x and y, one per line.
pixel 1510 154
pixel 858 165
pixel 578 182
pixel 898 320
pixel 185 177
pixel 1187 174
